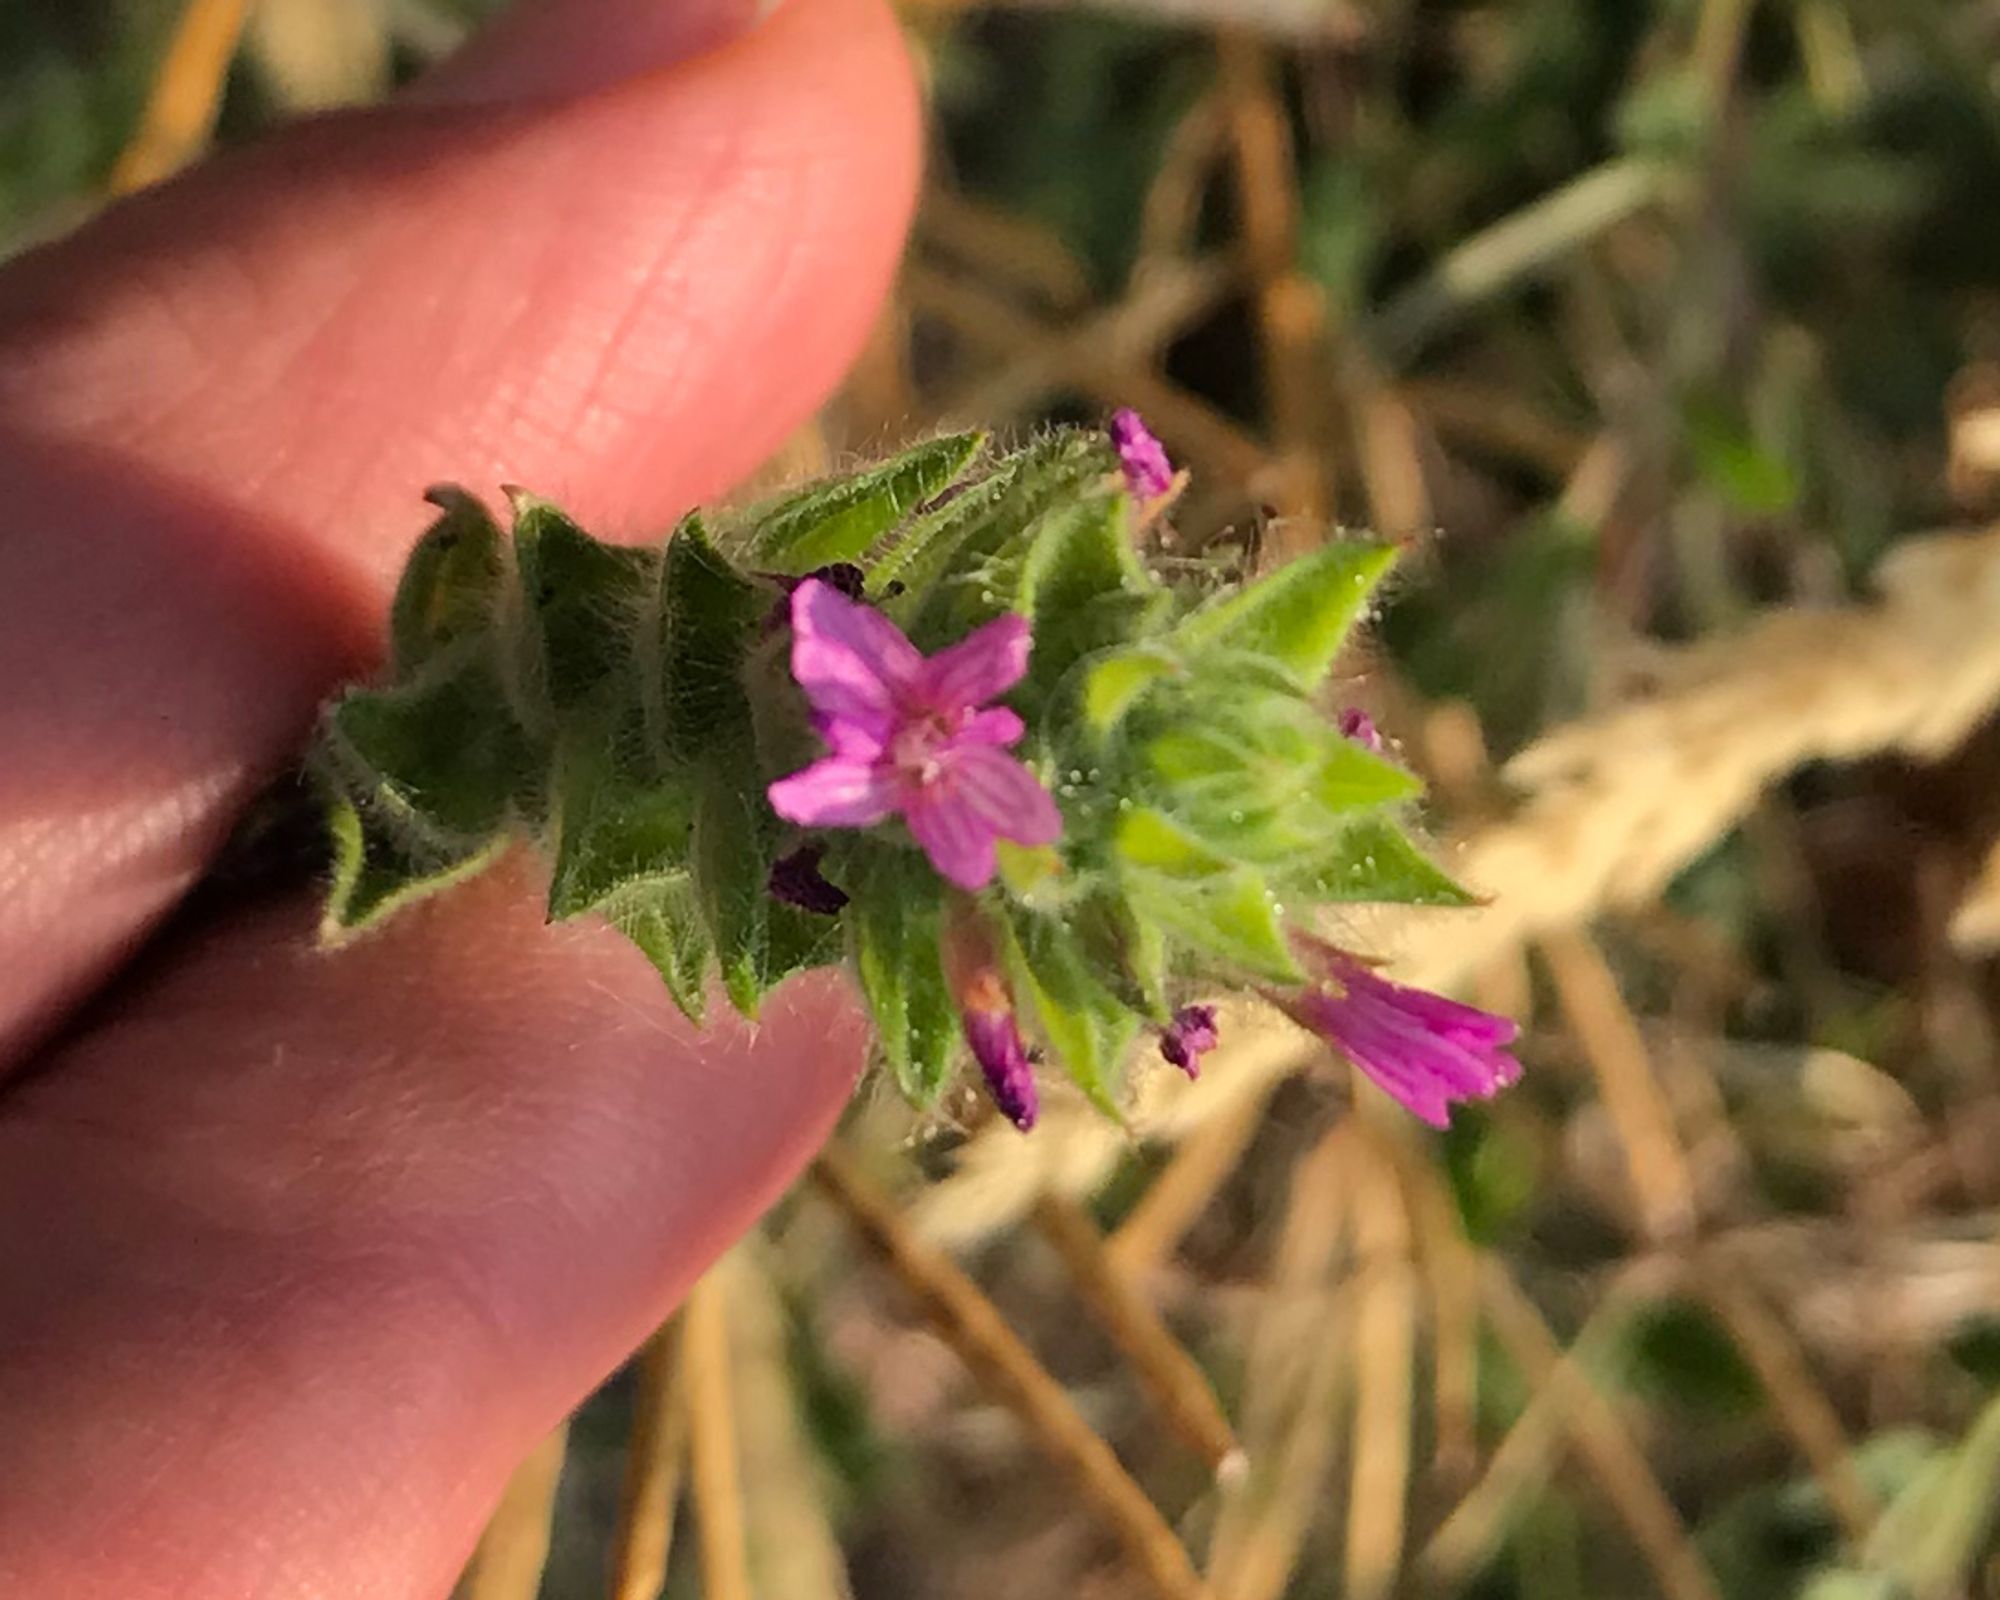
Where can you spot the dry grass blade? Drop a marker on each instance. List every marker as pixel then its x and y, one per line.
pixel 1385 1350
pixel 1510 251
pixel 975 1329
pixel 1296 1364
pixel 653 1463
pixel 715 1480
pixel 1006 249
pixel 318 54
pixel 1169 1374
pixel 1802 1407
pixel 1618 1466
pixel 180 113
pixel 794 1554
pixel 1291 315
pixel 1171 214
pixel 1184 1189
pixel 1469 1536
pixel 1588 994
pixel 515 1546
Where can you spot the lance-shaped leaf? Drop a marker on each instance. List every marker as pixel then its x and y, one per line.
pixel 968 565
pixel 437 762
pixel 1296 618
pixel 759 942
pixel 617 832
pixel 841 518
pixel 1087 1028
pixel 376 874
pixel 894 919
pixel 693 646
pixel 450 585
pixel 584 600
pixel 1127 953
pixel 662 917
pixel 1373 860
pixel 1082 587
pixel 1114 683
pixel 1232 922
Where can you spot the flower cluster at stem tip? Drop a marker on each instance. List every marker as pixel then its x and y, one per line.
pixel 923 739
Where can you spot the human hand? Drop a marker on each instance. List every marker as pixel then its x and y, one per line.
pixel 300 1252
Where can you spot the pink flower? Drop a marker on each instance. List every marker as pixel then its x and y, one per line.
pixel 1190 1036
pixel 1422 1049
pixel 912 736
pixel 1148 472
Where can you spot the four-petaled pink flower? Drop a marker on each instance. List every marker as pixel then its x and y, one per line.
pixel 1422 1049
pixel 912 736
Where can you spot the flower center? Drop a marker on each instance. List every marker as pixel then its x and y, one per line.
pixel 920 743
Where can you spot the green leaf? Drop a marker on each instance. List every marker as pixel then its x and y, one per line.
pixel 1147 839
pixel 1375 861
pixel 1934 1534
pixel 438 761
pixel 662 916
pixel 1233 920
pixel 1126 951
pixel 1350 777
pixel 1729 459
pixel 450 584
pixel 585 599
pixel 1116 681
pixel 704 620
pixel 841 518
pixel 967 557
pixel 374 874
pixel 894 920
pixel 1082 587
pixel 617 834
pixel 759 941
pixel 1299 616
pixel 1087 1028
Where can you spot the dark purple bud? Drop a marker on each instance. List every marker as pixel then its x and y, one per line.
pixel 843 576
pixel 1190 1036
pixel 797 881
pixel 1148 472
pixel 1357 725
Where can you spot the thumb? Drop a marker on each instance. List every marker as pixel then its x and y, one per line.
pixel 583 259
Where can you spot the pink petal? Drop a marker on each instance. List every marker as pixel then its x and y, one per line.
pixel 852 661
pixel 986 662
pixel 995 725
pixel 835 793
pixel 1005 795
pixel 953 834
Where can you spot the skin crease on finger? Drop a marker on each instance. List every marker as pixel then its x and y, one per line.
pixel 300 1252
pixel 231 392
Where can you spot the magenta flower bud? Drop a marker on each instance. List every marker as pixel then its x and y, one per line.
pixel 995 1037
pixel 1148 472
pixel 1423 1050
pixel 1190 1036
pixel 913 736
pixel 1357 725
